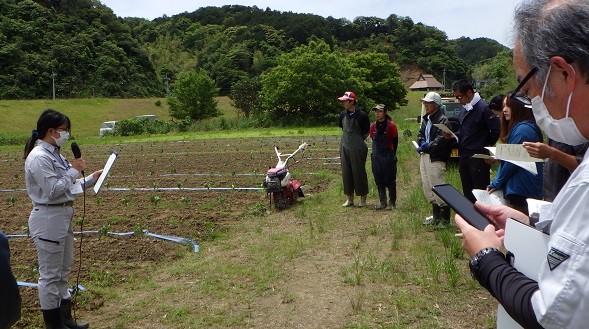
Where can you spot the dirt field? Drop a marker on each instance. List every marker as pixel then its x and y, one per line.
pixel 196 215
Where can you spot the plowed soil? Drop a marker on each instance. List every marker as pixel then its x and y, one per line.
pixel 152 187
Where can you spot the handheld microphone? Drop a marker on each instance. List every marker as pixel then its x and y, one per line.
pixel 77 152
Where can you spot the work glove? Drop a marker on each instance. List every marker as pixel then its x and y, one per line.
pixel 423 147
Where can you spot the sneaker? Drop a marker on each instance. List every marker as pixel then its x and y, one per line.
pixel 430 220
pixel 391 207
pixel 348 204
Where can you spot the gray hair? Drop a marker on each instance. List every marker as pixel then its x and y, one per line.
pixel 547 28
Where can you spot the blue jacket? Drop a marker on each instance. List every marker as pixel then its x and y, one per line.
pixel 515 180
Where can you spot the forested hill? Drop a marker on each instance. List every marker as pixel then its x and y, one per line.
pixel 94 53
pixel 90 51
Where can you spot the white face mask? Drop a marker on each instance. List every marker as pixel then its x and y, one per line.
pixel 63 137
pixel 562 130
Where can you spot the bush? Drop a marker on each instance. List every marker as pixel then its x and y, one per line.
pixel 140 126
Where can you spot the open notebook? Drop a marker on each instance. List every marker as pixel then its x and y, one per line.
pixel 105 170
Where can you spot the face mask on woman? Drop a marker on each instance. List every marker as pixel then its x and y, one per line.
pixel 63 137
pixel 562 130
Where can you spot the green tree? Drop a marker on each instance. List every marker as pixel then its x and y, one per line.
pixel 382 77
pixel 245 94
pixel 303 87
pixel 192 97
pixel 499 73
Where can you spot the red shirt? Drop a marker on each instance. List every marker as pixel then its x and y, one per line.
pixel 391 132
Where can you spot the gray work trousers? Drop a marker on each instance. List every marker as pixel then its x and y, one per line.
pixel 51 230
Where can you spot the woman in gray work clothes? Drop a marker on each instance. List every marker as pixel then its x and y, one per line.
pixel 353 150
pixel 51 185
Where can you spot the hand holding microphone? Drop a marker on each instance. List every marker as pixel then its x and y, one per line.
pixel 79 163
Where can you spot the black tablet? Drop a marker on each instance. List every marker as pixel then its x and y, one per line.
pixel 462 206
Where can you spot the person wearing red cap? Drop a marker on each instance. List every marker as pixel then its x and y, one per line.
pixel 353 150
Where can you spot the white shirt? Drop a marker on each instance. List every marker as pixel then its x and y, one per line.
pixel 563 298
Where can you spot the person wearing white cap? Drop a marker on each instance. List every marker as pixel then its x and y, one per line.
pixel 434 152
pixel 353 150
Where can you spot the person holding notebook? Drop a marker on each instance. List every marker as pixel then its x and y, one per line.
pixel 52 185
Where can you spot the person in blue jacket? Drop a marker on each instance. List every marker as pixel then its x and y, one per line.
pixel 518 184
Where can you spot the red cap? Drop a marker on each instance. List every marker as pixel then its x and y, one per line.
pixel 348 96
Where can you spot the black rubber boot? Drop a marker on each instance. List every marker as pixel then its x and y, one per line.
pixel 52 319
pixel 445 215
pixel 382 197
pixel 435 217
pixel 392 197
pixel 66 316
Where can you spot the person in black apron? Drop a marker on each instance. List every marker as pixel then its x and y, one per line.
pixel 385 139
pixel 353 150
pixel 10 302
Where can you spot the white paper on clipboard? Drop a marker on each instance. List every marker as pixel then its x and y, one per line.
pixel 445 129
pixel 105 170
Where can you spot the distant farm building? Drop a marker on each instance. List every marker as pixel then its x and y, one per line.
pixel 427 82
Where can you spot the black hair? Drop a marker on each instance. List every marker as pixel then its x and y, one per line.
pixel 48 119
pixel 497 103
pixel 462 85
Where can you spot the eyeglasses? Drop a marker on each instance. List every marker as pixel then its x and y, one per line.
pixel 519 97
pixel 459 97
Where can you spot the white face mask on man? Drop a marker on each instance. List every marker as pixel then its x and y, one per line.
pixel 563 130
pixel 63 138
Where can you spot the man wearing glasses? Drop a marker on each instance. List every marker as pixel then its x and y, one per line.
pixel 479 127
pixel 551 47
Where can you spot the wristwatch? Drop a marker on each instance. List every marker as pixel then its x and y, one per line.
pixel 474 261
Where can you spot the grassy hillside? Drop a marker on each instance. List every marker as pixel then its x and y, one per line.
pixel 87 115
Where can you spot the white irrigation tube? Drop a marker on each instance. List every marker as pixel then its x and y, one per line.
pixel 36 286
pixel 184 241
pixel 159 189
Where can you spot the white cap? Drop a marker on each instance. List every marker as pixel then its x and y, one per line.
pixel 433 97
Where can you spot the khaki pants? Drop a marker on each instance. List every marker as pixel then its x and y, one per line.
pixel 432 173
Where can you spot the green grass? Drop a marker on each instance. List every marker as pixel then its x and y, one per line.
pixel 386 269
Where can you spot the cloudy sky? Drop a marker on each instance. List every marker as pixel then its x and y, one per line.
pixel 473 18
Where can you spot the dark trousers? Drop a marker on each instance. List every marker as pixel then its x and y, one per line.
pixel 474 174
pixel 518 202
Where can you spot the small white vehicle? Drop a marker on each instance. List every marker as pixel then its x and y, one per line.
pixel 107 128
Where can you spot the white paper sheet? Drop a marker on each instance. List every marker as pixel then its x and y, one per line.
pixel 495 198
pixel 445 129
pixel 538 206
pixel 515 152
pixel 105 170
pixel 529 164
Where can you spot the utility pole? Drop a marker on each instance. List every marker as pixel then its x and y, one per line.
pixel 444 79
pixel 167 85
pixel 53 79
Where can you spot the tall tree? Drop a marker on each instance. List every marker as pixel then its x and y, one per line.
pixel 193 97
pixel 304 85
